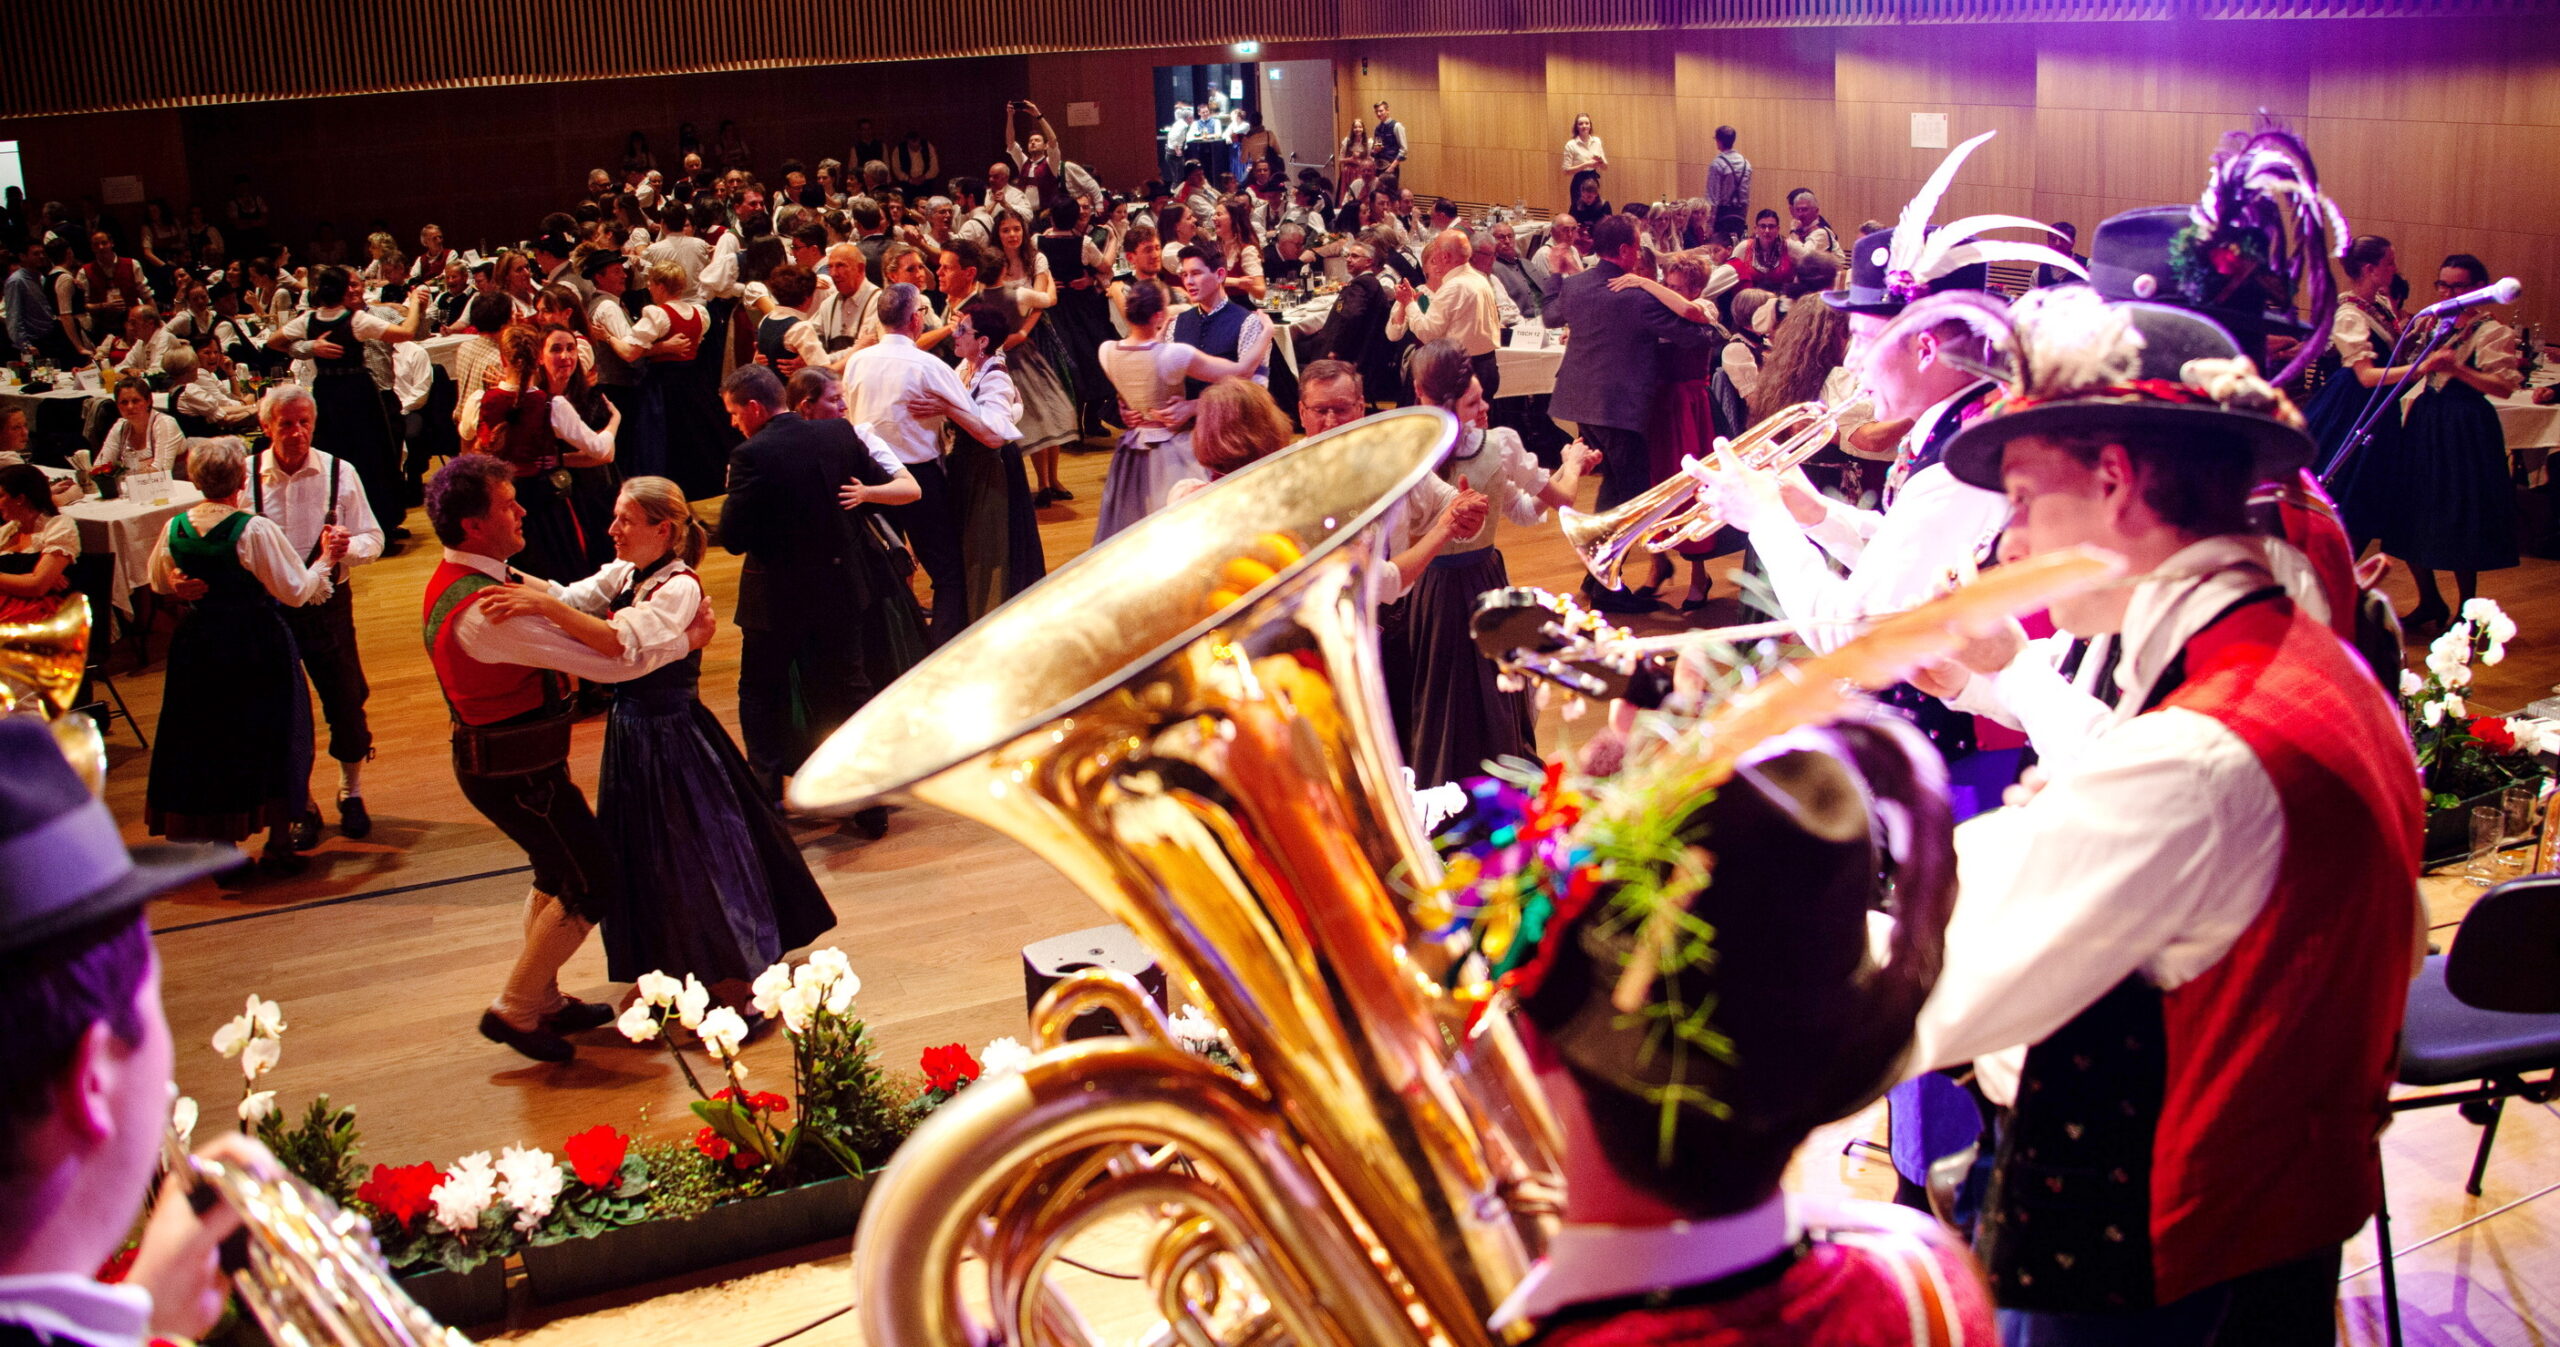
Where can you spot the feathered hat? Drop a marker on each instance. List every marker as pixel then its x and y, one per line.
pixel 2251 250
pixel 2076 362
pixel 1892 267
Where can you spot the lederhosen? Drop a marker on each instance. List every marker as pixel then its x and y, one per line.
pixel 325 632
pixel 515 771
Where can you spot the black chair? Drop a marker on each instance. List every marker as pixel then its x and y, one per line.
pixel 94 576
pixel 2488 1010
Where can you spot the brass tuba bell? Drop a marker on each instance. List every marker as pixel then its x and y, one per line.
pixel 1190 723
pixel 42 664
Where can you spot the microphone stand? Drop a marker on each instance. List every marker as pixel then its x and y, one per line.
pixel 2381 398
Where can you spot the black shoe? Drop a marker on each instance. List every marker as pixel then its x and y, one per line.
pixel 1045 497
pixel 577 1017
pixel 304 833
pixel 397 533
pixel 353 819
pixel 538 1043
pixel 1062 493
pixel 2422 617
pixel 872 823
pixel 283 863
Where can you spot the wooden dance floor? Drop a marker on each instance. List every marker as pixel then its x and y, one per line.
pixel 385 952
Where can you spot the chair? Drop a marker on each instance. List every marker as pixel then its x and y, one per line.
pixel 94 576
pixel 2488 1010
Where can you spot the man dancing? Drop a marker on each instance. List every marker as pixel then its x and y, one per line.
pixel 503 682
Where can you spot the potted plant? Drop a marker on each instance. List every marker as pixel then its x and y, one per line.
pixel 2463 760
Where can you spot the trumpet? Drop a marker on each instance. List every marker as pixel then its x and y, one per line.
pixel 1671 514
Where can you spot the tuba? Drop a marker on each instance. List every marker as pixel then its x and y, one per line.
pixel 312 1275
pixel 1670 514
pixel 42 664
pixel 1199 740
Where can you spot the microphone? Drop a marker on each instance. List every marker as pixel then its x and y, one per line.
pixel 2502 292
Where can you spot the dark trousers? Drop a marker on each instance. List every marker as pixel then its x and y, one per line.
pixel 545 813
pixel 2289 1305
pixel 326 632
pixel 1626 470
pixel 1488 373
pixel 795 685
pixel 414 451
pixel 932 526
pixel 55 345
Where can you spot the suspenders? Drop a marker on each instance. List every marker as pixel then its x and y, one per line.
pixel 258 497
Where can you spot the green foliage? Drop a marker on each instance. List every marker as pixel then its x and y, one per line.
pixel 320 1149
pixel 583 1211
pixel 683 1182
pixel 850 1107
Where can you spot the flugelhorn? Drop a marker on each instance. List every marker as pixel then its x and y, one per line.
pixel 1671 513
pixel 1190 723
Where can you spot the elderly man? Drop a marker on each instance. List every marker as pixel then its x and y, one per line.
pixel 1465 308
pixel 319 503
pixel 850 306
pixel 1523 281
pixel 196 395
pixel 903 395
pixel 1354 330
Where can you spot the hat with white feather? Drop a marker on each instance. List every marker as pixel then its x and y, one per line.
pixel 1892 267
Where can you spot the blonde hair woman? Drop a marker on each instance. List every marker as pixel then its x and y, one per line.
pixel 713 885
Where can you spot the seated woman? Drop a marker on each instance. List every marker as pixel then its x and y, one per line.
pixel 233 750
pixel 713 885
pixel 38 543
pixel 143 438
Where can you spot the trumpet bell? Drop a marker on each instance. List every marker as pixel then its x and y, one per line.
pixel 1671 514
pixel 1603 538
pixel 1190 723
pixel 41 666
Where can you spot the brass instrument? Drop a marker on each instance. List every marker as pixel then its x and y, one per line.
pixel 1200 742
pixel 41 667
pixel 313 1275
pixel 1671 514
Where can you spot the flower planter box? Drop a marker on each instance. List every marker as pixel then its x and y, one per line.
pixel 461 1299
pixel 655 1250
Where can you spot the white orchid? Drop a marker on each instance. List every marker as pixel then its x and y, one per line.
pixel 723 1031
pixel 2432 713
pixel 2411 684
pixel 639 1022
pixel 657 989
pixel 2459 676
pixel 259 1056
pixel 797 1006
pixel 465 1192
pixel 261 1019
pixel 530 1181
pixel 831 975
pixel 2494 652
pixel 768 988
pixel 2454 705
pixel 691 1002
pixel 831 964
pixel 257 1107
pixel 182 1121
pixel 1002 1057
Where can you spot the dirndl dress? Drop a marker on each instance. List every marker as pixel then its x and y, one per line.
pixel 2461 495
pixel 232 753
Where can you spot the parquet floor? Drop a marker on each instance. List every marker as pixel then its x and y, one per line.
pixel 384 953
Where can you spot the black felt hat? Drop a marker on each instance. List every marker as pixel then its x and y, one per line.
pixel 2131 258
pixel 2190 380
pixel 1807 839
pixel 1870 290
pixel 62 862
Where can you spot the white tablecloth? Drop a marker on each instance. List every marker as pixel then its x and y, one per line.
pixel 1528 364
pixel 441 349
pixel 127 530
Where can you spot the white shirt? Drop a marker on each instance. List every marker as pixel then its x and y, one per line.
pixel 719 276
pixel 689 253
pixel 368 326
pixel 298 505
pixel 205 397
pixel 71 1308
pixel 413 375
pixel 262 550
pixel 652 628
pixel 540 644
pixel 608 320
pixel 121 447
pixel 1465 308
pixel 1584 1263
pixel 147 353
pixel 879 380
pixel 2150 852
pixel 1582 152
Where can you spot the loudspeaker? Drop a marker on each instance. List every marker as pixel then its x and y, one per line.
pixel 1044 962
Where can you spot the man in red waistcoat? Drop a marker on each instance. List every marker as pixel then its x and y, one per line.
pixel 511 717
pixel 2201 929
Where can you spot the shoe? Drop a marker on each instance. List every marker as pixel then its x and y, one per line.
pixel 1697 604
pixel 283 863
pixel 398 533
pixel 1046 497
pixel 872 823
pixel 577 1017
pixel 304 833
pixel 1062 493
pixel 2413 620
pixel 538 1043
pixel 353 819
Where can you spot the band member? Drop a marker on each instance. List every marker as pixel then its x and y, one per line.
pixel 504 684
pixel 1675 1230
pixel 88 1052
pixel 317 500
pixel 2200 930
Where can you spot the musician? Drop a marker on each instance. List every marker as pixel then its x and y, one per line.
pixel 88 1054
pixel 2202 927
pixel 502 681
pixel 1683 1235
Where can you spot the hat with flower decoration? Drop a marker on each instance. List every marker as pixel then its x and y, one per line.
pixel 1708 959
pixel 1892 267
pixel 2076 363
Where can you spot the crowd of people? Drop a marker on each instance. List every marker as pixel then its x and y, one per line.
pixel 876 373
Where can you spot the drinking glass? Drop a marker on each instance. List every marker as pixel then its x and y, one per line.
pixel 2488 823
pixel 2517 807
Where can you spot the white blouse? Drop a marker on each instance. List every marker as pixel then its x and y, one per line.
pixel 58 533
pixel 122 449
pixel 1507 475
pixel 263 552
pixel 2489 348
pixel 1582 152
pixel 653 627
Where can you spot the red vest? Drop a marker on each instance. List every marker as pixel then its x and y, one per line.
pixel 2281 1056
pixel 480 693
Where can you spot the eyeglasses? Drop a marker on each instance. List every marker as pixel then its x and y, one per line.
pixel 2444 288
